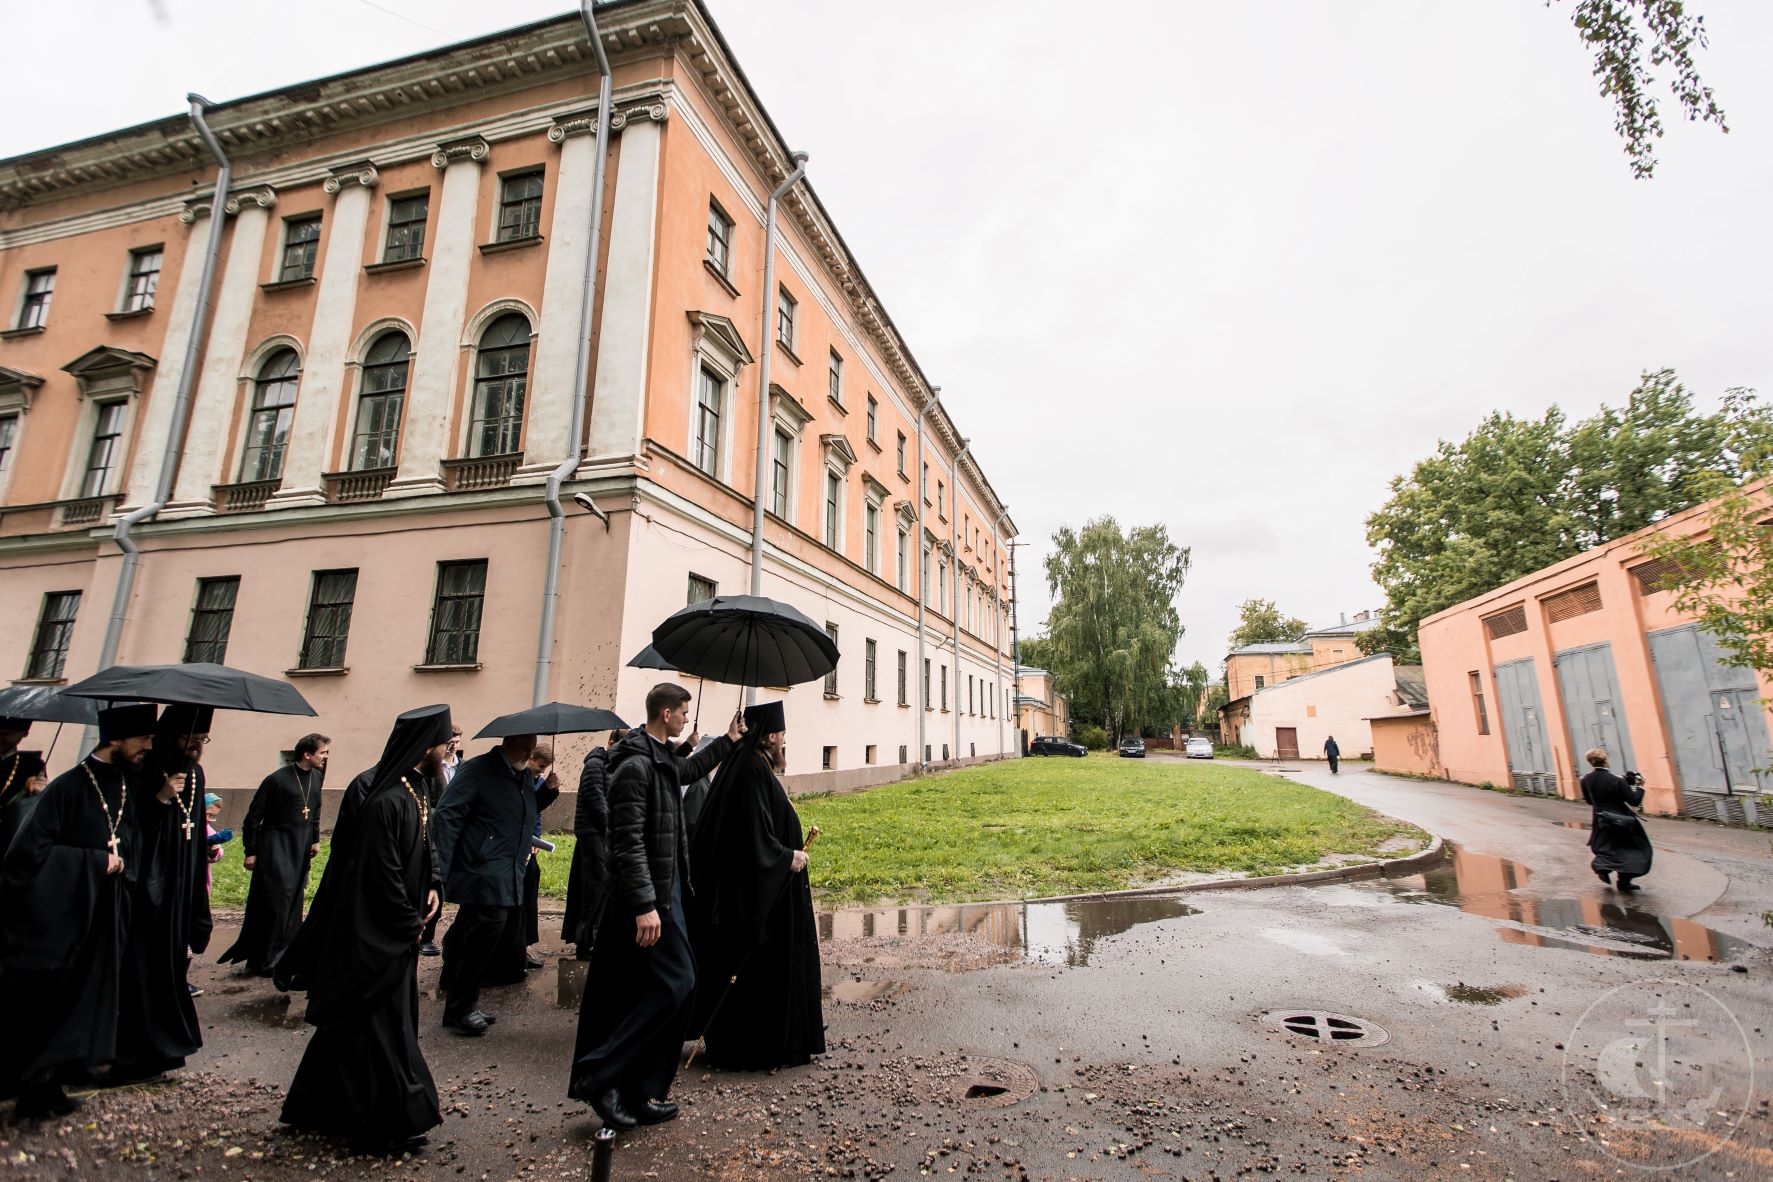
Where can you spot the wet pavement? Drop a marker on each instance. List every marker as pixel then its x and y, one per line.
pixel 1465 1021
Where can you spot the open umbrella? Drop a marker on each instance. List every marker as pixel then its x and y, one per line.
pixel 197 683
pixel 552 718
pixel 649 658
pixel 745 640
pixel 42 704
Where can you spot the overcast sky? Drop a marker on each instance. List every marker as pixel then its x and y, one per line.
pixel 1224 266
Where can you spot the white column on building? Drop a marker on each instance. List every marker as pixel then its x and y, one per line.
pixel 623 337
pixel 557 346
pixel 150 437
pixel 224 352
pixel 329 338
pixel 426 418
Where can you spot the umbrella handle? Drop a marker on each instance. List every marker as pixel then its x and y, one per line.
pixel 51 751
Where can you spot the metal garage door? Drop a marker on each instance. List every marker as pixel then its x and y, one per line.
pixel 1717 726
pixel 1523 728
pixel 1591 706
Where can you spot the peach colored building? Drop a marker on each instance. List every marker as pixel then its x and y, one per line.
pixel 1294 719
pixel 1040 709
pixel 1252 667
pixel 386 378
pixel 1590 652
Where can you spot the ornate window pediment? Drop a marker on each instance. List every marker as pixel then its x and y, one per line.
pixel 839 455
pixel 875 490
pixel 109 371
pixel 906 512
pixel 716 334
pixel 16 388
pixel 789 414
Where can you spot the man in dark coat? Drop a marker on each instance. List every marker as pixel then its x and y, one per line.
pixel 21 778
pixel 362 1076
pixel 635 1008
pixel 280 837
pixel 1615 834
pixel 513 961
pixel 169 920
pixel 62 917
pixel 1333 753
pixel 480 834
pixel 590 866
pixel 750 913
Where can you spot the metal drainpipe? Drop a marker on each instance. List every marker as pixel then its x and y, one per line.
pixel 181 404
pixel 1015 653
pixel 923 591
pixel 581 374
pixel 763 387
pixel 954 591
pixel 996 622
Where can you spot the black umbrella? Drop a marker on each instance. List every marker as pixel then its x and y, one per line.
pixel 551 718
pixel 746 640
pixel 41 704
pixel 649 658
pixel 197 683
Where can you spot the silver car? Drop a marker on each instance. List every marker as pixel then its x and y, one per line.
pixel 1199 749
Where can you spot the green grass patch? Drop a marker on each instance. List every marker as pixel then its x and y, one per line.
pixel 1030 827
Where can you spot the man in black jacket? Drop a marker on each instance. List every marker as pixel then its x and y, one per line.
pixel 635 1008
pixel 480 834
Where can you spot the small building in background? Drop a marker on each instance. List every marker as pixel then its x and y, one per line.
pixel 1040 709
pixel 1404 738
pixel 1252 668
pixel 1591 652
pixel 1292 720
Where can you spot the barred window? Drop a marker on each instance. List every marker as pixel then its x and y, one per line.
pixel 406 228
pixel 701 590
pixel 273 410
pixel 501 384
pixel 329 619
pixel 1507 623
pixel 144 279
pixel 55 631
pixel 212 618
pixel 301 246
pixel 455 614
pixel 379 403
pixel 520 207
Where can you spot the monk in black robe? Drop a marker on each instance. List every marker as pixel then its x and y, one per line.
pixel 21 778
pixel 280 838
pixel 169 920
pixel 62 916
pixel 362 1076
pixel 590 865
pixel 1615 835
pixel 750 915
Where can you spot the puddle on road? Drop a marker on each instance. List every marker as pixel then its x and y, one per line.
pixel 275 1010
pixel 1483 884
pixel 857 993
pixel 1059 933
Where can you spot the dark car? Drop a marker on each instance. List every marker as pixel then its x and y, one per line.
pixel 1054 745
pixel 1132 747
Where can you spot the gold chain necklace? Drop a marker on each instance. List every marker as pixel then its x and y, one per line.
pixel 104 808
pixel 304 787
pixel 18 757
pixel 424 812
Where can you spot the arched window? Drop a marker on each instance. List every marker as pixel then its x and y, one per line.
pixel 273 406
pixel 501 377
pixel 379 402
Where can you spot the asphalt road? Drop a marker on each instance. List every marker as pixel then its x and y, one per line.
pixel 1470 1022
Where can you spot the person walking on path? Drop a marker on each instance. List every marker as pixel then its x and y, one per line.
pixel 21 778
pixel 481 833
pixel 281 835
pixel 590 865
pixel 513 960
pixel 1615 835
pixel 362 1075
pixel 1333 753
pixel 434 786
pixel 635 1009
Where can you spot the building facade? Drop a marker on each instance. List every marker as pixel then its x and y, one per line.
pixel 386 378
pixel 1040 709
pixel 1292 720
pixel 1591 652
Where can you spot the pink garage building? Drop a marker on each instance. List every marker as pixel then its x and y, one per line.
pixel 386 379
pixel 1587 653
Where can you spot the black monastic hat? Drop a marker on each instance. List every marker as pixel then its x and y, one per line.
pixel 766 718
pixel 126 722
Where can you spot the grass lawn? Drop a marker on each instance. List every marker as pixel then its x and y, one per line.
pixel 1032 827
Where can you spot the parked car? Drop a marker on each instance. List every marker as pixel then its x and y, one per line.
pixel 1132 747
pixel 1199 748
pixel 1054 745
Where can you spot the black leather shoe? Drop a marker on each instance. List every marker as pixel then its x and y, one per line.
pixel 474 1025
pixel 654 1112
pixel 610 1110
pixel 396 1148
pixel 532 962
pixel 1605 876
pixel 43 1103
pixel 428 950
pixel 489 1019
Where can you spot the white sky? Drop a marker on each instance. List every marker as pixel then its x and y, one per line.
pixel 1227 266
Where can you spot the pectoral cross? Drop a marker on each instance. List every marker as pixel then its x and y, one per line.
pixel 187 828
pixel 113 844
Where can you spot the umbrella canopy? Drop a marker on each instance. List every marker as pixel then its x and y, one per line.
pixel 746 640
pixel 42 704
pixel 198 683
pixel 551 718
pixel 649 658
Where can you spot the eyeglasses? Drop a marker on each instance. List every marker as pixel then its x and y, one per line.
pixel 197 740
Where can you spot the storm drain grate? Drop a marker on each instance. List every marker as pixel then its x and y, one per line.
pixel 1337 1029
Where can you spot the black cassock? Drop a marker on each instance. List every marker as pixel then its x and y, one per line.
pixel 751 916
pixel 362 1075
pixel 590 865
pixel 1615 835
pixel 282 825
pixel 168 884
pixel 61 930
pixel 16 770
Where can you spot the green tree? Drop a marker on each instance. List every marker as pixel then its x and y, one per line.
pixel 1259 621
pixel 1190 690
pixel 1615 33
pixel 1114 625
pixel 1519 494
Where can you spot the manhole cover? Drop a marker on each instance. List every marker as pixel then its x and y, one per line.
pixel 1338 1029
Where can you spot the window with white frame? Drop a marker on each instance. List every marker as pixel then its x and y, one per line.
pixel 903 688
pixel 8 441
pixel 406 227
pixel 873 420
pixel 923 577
pixel 301 247
pixel 902 469
pixel 834 379
pixel 904 558
pixel 833 507
pixel 786 307
pixel 831 677
pixel 705 443
pixel 106 452
pixel 720 240
pixel 39 293
pixel 781 469
pixel 942 586
pixel 871 536
pixel 273 410
pixel 868 658
pixel 520 207
pixel 381 395
pixel 501 387
pixel 144 279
